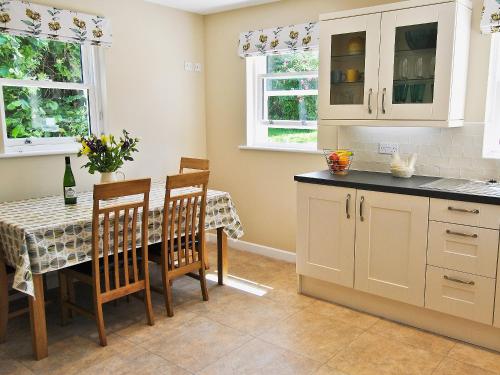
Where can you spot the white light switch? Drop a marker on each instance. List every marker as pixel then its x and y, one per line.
pixel 188 66
pixel 197 67
pixel 388 148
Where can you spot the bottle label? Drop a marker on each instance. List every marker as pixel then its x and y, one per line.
pixel 69 192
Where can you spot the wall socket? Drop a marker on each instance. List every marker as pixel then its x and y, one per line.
pixel 388 148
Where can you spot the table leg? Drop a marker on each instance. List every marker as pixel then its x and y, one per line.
pixel 37 319
pixel 4 301
pixel 221 255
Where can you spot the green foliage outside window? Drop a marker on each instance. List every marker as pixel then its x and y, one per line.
pixel 33 112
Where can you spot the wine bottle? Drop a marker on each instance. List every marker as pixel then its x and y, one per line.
pixel 69 184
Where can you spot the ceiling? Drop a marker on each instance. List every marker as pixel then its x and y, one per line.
pixel 209 6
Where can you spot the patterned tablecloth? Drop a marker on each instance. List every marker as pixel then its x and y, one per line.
pixel 43 235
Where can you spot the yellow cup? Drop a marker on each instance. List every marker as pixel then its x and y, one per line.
pixel 352 75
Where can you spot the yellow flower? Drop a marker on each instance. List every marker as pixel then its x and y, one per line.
pixel 85 149
pixel 104 138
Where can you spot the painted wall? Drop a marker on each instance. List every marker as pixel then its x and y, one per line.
pixel 148 93
pixel 261 182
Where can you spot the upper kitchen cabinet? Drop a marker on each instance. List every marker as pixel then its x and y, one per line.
pixel 401 64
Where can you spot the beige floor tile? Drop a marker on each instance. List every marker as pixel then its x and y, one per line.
pixel 327 370
pixel 372 354
pixel 313 335
pixel 343 314
pixel 259 357
pixel 196 345
pixel 412 336
pixel 451 367
pixel 479 357
pixel 12 367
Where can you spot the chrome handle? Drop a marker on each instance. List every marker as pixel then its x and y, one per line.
pixel 475 211
pixel 384 91
pixel 370 92
pixel 347 206
pixel 461 234
pixel 455 280
pixel 362 200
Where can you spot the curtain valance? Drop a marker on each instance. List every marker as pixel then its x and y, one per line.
pixel 490 20
pixel 291 38
pixel 26 18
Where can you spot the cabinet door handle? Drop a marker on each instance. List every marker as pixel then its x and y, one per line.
pixel 455 280
pixel 361 202
pixel 370 92
pixel 347 206
pixel 384 91
pixel 461 234
pixel 475 211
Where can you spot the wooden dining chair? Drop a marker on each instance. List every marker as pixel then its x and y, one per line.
pixel 183 233
pixel 6 313
pixel 193 164
pixel 116 274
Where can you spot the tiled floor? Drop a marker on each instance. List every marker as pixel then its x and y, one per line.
pixel 257 324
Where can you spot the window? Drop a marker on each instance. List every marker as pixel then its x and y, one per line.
pixel 48 94
pixel 282 100
pixel 491 142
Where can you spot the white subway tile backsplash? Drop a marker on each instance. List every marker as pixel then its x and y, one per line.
pixel 455 153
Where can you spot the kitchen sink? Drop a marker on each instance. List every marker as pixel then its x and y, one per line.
pixel 465 186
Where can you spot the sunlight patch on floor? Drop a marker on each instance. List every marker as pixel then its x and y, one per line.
pixel 242 284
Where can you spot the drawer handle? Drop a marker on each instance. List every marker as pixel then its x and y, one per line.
pixel 361 202
pixel 347 206
pixel 475 211
pixel 384 91
pixel 370 92
pixel 461 234
pixel 446 277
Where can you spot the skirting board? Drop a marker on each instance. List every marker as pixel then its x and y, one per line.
pixel 267 251
pixel 420 317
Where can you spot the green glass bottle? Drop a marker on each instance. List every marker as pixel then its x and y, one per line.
pixel 69 184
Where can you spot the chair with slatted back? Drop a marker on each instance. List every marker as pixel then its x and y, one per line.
pixel 117 273
pixel 193 164
pixel 183 232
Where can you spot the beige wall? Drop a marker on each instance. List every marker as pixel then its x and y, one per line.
pixel 261 182
pixel 149 94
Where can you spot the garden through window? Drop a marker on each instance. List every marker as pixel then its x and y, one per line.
pixel 45 91
pixel 285 105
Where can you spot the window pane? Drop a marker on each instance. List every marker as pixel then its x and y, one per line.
pixel 292 108
pixel 24 57
pixel 293 62
pixel 309 83
pixel 284 135
pixel 33 112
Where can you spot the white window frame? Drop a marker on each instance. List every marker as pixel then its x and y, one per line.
pixel 491 139
pixel 93 82
pixel 257 121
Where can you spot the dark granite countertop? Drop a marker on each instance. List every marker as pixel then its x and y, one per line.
pixel 385 182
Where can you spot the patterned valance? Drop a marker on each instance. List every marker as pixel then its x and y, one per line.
pixel 26 18
pixel 291 38
pixel 490 20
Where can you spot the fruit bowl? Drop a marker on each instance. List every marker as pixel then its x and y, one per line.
pixel 339 161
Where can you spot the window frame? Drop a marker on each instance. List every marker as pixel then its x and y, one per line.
pixel 93 81
pixel 491 139
pixel 257 121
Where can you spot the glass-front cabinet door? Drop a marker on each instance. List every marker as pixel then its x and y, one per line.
pixel 349 63
pixel 415 62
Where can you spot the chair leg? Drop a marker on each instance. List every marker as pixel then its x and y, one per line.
pixel 149 306
pixel 71 295
pixel 167 293
pixel 63 294
pixel 4 302
pixel 203 282
pixel 99 318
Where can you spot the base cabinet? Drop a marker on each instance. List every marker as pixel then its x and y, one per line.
pixel 391 243
pixel 325 239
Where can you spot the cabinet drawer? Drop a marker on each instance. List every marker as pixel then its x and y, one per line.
pixel 466 213
pixel 460 294
pixel 463 248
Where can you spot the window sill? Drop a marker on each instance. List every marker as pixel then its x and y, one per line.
pixel 40 151
pixel 281 149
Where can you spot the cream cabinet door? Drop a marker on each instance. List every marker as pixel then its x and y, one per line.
pixel 325 233
pixel 496 321
pixel 391 242
pixel 416 55
pixel 348 69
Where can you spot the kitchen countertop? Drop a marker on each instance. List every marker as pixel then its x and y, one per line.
pixel 385 182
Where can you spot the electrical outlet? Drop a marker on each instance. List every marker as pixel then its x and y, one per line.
pixel 388 148
pixel 188 66
pixel 197 67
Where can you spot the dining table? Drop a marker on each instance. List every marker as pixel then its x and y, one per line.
pixel 43 235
